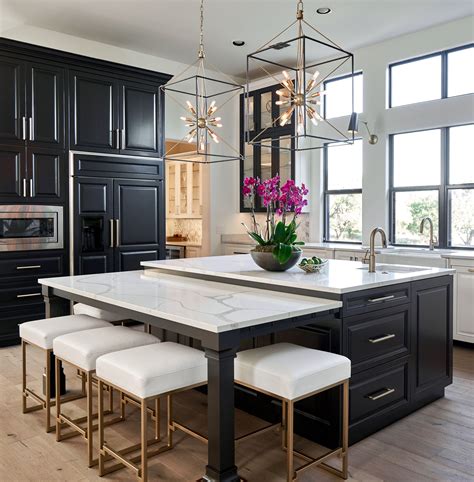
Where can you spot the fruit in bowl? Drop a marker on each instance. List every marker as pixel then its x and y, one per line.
pixel 312 265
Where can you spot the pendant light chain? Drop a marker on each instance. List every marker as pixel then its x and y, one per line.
pixel 201 54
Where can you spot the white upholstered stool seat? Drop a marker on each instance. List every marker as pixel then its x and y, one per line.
pixel 290 371
pixel 145 374
pixel 43 332
pixel 83 348
pixel 100 314
pixel 152 370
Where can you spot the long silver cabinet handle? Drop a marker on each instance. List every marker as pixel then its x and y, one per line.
pixel 117 138
pixel 32 191
pixel 33 266
pixel 111 225
pixel 30 128
pixel 383 298
pixel 23 134
pixel 382 338
pixel 29 295
pixel 117 233
pixel 378 396
pixel 25 193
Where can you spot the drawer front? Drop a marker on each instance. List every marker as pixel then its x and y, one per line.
pixel 32 267
pixel 376 299
pixel 10 319
pixel 381 391
pixel 20 294
pixel 377 337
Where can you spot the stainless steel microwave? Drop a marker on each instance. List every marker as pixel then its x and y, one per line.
pixel 31 227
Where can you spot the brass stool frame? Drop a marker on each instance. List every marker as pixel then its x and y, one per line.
pixel 287 425
pixel 106 452
pixel 43 402
pixel 63 420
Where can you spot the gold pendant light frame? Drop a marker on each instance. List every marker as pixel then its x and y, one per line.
pixel 200 98
pixel 300 65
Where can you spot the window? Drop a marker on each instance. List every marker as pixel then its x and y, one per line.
pixel 337 101
pixel 432 174
pixel 436 76
pixel 343 192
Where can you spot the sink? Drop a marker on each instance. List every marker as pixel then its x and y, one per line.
pixel 390 268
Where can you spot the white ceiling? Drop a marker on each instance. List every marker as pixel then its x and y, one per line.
pixel 169 28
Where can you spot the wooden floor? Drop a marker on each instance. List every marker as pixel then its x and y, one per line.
pixel 435 443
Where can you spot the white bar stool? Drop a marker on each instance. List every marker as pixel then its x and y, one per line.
pixel 81 350
pixel 146 374
pixel 41 334
pixel 291 373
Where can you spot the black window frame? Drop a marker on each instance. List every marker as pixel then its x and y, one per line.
pixel 274 133
pixel 342 77
pixel 444 189
pixel 444 73
pixel 328 192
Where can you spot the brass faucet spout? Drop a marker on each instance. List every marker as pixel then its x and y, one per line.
pixel 372 246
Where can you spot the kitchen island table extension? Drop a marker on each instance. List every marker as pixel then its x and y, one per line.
pixel 395 326
pixel 218 316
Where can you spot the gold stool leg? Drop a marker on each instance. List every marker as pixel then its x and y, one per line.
pixel 289 441
pixel 101 427
pixel 23 374
pixel 345 429
pixel 90 438
pixel 48 391
pixel 170 421
pixel 111 399
pixel 157 419
pixel 283 424
pixel 57 367
pixel 144 442
pixel 122 406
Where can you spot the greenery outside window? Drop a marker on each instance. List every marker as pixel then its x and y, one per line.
pixel 432 175
pixel 343 193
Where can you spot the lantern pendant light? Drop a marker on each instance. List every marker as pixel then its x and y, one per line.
pixel 198 97
pixel 301 65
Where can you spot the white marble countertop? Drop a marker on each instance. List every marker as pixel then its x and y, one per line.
pixel 337 277
pixel 211 306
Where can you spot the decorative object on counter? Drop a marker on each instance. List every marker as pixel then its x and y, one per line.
pixel 200 98
pixel 373 138
pixel 278 248
pixel 312 265
pixel 302 77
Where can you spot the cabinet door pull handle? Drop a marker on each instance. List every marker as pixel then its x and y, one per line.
pixel 117 233
pixel 32 266
pixel 382 298
pixel 382 338
pixel 30 128
pixel 29 295
pixel 32 191
pixel 122 139
pixel 117 138
pixel 23 134
pixel 25 193
pixel 111 225
pixel 379 395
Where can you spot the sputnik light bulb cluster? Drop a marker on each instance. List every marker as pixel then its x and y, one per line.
pixel 202 123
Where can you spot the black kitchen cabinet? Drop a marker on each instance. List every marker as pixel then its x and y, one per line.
pixel 32 175
pixel 118 224
pixel 31 103
pixel 113 116
pixel 12 101
pixel 45 105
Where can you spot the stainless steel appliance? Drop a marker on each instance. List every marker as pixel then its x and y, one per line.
pixel 31 227
pixel 174 252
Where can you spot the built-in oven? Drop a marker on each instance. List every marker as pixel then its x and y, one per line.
pixel 31 227
pixel 174 252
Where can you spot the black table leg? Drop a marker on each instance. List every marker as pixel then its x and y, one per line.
pixel 55 306
pixel 221 448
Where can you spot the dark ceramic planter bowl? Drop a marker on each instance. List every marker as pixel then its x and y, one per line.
pixel 267 261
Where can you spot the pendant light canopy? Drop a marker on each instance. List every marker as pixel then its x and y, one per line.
pixel 193 103
pixel 301 63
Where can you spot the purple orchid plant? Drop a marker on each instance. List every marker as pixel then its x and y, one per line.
pixel 283 203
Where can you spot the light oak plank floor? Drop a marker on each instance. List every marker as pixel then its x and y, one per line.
pixel 435 443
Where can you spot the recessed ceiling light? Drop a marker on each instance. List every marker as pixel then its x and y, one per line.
pixel 323 10
pixel 238 43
